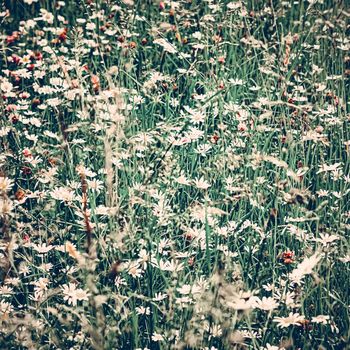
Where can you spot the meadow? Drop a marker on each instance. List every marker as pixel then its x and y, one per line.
pixel 174 175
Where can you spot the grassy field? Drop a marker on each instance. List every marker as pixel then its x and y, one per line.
pixel 174 175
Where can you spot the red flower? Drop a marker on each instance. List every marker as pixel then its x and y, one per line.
pixel 27 153
pixel 95 81
pixel 287 257
pixel 63 35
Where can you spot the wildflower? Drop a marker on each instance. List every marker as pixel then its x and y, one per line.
pixel 40 287
pixel 5 308
pixel 6 291
pixel 326 168
pixel 214 139
pixel 201 183
pixel 95 185
pixel 185 289
pixel 326 239
pixel 305 268
pixel 195 116
pixel 71 250
pixel 24 269
pixel 63 194
pixel 134 270
pixel 119 281
pixel 166 45
pixel 5 184
pixel 287 257
pixel 141 310
pixel 242 126
pixel 171 266
pixel 43 248
pixel 234 5
pixel 72 294
pixel 322 319
pixel 90 26
pixel 236 82
pixel 322 193
pixel 95 81
pixel 268 287
pixel 46 16
pixel 245 333
pixel 6 207
pixel 221 59
pixel 292 319
pixel 157 337
pixel 46 267
pixel 6 87
pixel 194 134
pixel 203 149
pixel 159 297
pixel 182 180
pixel 266 304
pixel 143 258
pixel 215 330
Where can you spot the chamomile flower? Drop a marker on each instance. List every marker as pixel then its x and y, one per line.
pixel 72 294
pixel 293 319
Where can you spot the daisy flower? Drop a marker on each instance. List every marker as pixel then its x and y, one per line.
pixel 157 337
pixel 72 294
pixel 62 194
pixel 5 184
pixel 322 319
pixel 201 183
pixel 290 320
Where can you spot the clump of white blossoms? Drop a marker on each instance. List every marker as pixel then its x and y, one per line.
pixel 166 45
pixel 5 308
pixel 291 320
pixel 5 184
pixel 305 267
pixel 63 194
pixel 72 294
